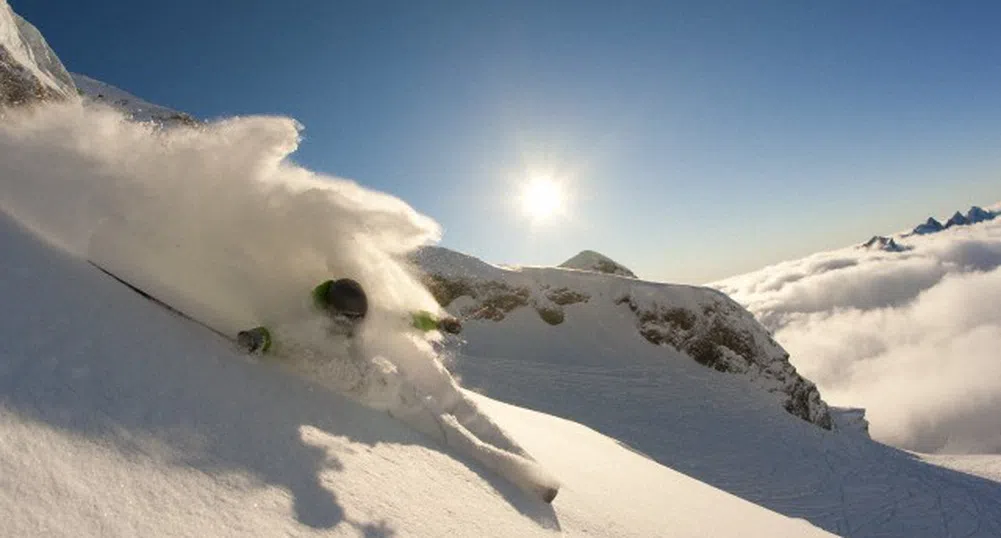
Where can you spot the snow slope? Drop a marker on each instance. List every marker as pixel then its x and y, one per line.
pixel 130 105
pixel 595 368
pixel 119 418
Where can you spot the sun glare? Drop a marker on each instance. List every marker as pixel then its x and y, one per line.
pixel 541 198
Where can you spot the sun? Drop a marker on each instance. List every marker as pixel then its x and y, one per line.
pixel 541 198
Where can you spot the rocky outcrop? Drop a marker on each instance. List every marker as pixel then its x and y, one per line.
pixel 29 70
pixel 493 300
pixel 719 336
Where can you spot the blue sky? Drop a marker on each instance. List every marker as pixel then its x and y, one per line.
pixel 699 139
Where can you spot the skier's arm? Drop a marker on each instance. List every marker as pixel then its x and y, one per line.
pixel 425 321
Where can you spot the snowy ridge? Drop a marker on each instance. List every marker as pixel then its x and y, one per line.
pixel 29 69
pixel 130 105
pixel 689 321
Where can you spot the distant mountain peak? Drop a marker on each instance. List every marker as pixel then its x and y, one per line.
pixel 974 215
pixel 879 242
pixel 957 219
pixel 978 214
pixel 589 260
pixel 930 226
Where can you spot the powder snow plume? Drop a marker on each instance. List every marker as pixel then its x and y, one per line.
pixel 213 219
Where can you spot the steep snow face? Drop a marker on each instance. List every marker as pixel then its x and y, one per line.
pixel 590 260
pixel 574 311
pixel 119 418
pixel 29 69
pixel 133 107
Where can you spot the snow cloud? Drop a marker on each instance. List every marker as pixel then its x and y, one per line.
pixel 213 219
pixel 912 336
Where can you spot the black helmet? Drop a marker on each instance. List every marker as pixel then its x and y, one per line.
pixel 345 297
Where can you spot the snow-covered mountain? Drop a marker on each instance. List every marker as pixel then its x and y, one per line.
pixel 881 242
pixel 119 417
pixel 589 260
pixel 130 105
pixel 700 324
pixel 29 70
pixel 974 215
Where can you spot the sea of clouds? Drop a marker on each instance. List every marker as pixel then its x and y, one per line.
pixel 914 336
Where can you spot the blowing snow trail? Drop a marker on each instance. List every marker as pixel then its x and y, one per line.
pixel 216 222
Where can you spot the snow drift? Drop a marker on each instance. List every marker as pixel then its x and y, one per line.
pixel 912 335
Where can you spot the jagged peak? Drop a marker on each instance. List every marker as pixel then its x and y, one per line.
pixel 880 242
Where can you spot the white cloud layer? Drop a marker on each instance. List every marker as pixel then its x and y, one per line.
pixel 914 337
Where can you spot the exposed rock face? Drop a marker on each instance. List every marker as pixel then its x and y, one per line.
pixel 719 336
pixel 590 260
pixel 699 322
pixel 29 70
pixel 850 419
pixel 493 300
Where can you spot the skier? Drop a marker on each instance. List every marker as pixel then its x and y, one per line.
pixel 346 303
